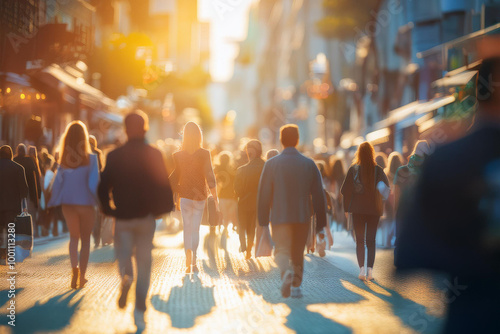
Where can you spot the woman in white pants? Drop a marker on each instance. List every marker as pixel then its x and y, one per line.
pixel 192 178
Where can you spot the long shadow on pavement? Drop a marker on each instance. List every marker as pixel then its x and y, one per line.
pixel 4 296
pixel 186 303
pixel 50 316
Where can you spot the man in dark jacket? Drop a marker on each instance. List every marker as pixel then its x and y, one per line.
pixel 13 190
pixel 288 183
pixel 32 177
pixel 246 186
pixel 137 177
pixel 452 223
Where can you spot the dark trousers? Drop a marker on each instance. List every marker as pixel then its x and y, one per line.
pixel 246 229
pixel 96 232
pixel 365 229
pixel 136 235
pixel 289 242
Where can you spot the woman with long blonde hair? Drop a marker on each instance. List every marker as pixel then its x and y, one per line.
pixel 192 179
pixel 364 202
pixel 75 188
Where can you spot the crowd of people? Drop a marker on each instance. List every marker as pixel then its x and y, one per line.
pixel 302 199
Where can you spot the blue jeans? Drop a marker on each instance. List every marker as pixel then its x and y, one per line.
pixel 135 234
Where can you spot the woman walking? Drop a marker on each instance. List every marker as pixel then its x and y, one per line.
pixel 224 174
pixel 192 176
pixel 363 200
pixel 75 188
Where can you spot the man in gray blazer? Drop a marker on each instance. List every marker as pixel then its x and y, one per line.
pixel 288 183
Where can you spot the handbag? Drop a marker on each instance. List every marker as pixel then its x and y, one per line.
pixel 23 235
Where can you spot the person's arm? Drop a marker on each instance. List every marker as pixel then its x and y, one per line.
pixel 238 182
pixel 105 187
pixel 318 199
pixel 265 195
pixel 94 174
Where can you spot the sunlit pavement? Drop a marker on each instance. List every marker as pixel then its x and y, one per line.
pixel 229 295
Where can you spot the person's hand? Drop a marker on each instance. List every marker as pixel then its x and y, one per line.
pixel 346 215
pixel 25 210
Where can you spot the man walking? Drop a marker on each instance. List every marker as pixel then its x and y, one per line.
pixel 289 181
pixel 13 190
pixel 246 186
pixel 137 177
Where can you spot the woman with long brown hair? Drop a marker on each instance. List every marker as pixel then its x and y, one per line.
pixel 363 200
pixel 75 188
pixel 192 177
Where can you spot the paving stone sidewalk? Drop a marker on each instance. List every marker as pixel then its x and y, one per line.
pixel 229 295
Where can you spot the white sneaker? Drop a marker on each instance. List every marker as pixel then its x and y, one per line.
pixel 370 274
pixel 140 323
pixel 296 292
pixel 287 284
pixel 321 246
pixel 362 273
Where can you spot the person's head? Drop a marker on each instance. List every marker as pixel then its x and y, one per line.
pixel 75 146
pixel 136 125
pixel 48 162
pixel 192 137
pixel 322 167
pixel 272 153
pixel 93 142
pixel 365 155
pixel 421 149
pixel 488 79
pixel 21 150
pixel 365 158
pixel 33 152
pixel 289 135
pixel 394 162
pixel 225 158
pixel 6 152
pixel 381 159
pixel 338 172
pixel 253 149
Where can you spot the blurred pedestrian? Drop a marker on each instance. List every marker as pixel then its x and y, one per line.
pixel 287 184
pixel 75 189
pixel 96 232
pixel 381 159
pixel 33 179
pixel 451 223
pixel 12 192
pixel 246 186
pixel 363 200
pixel 388 224
pixel 337 177
pixel 33 154
pixel 136 176
pixel 192 175
pixel 47 215
pixel 272 153
pixel 406 176
pixel 225 174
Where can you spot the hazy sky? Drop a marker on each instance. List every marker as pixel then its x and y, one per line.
pixel 229 22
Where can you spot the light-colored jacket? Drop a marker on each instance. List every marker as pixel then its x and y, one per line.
pixel 76 186
pixel 289 182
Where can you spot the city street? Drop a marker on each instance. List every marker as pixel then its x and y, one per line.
pixel 229 295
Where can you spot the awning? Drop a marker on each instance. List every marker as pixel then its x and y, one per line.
pixel 407 115
pixel 378 136
pixel 434 104
pixel 73 82
pixel 19 79
pixel 460 79
pixel 109 117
